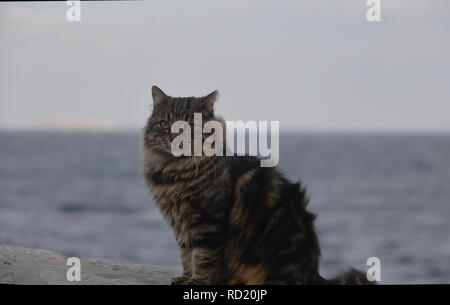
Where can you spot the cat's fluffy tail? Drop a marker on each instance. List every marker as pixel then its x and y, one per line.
pixel 348 277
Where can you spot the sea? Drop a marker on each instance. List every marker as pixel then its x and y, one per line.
pixel 375 195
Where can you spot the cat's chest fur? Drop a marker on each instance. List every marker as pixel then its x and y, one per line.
pixel 183 196
pixel 176 210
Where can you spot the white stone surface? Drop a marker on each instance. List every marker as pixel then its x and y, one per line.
pixel 43 267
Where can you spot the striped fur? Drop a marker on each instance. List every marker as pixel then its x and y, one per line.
pixel 235 222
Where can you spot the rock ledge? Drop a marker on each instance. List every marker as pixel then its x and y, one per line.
pixel 43 267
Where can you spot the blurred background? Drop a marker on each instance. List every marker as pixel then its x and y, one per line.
pixel 363 110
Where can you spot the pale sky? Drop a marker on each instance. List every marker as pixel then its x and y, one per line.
pixel 314 65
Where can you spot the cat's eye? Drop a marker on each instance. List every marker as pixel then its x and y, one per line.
pixel 164 125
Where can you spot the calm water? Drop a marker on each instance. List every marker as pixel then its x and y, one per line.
pixel 387 196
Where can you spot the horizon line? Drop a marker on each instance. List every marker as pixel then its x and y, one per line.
pixel 349 131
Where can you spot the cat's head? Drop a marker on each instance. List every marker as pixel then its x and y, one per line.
pixel 167 110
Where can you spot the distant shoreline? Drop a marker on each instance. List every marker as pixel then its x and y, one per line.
pixel 369 133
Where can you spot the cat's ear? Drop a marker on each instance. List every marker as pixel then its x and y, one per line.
pixel 210 99
pixel 159 96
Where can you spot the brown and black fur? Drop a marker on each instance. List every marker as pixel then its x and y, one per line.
pixel 235 222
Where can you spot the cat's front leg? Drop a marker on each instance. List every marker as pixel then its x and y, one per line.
pixel 204 265
pixel 186 261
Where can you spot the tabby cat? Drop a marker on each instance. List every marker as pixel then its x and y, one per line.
pixel 235 222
